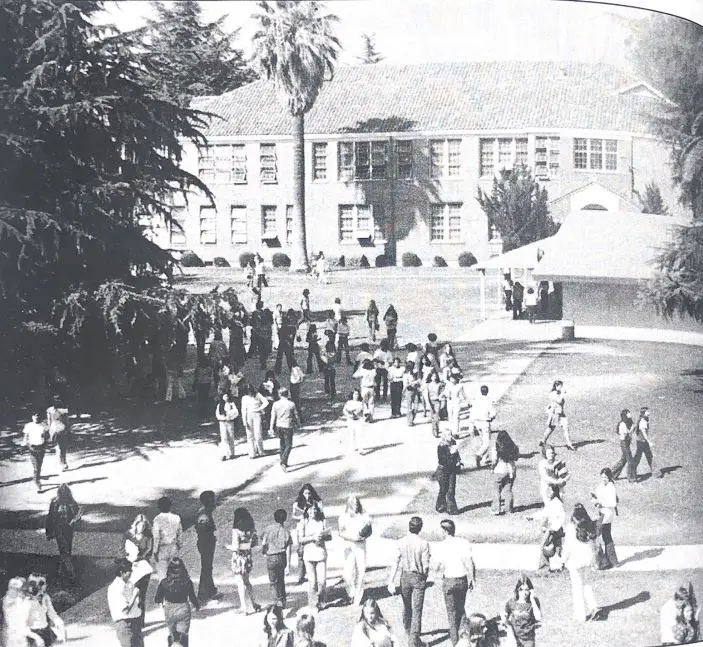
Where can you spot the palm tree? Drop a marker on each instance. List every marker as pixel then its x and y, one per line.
pixel 294 46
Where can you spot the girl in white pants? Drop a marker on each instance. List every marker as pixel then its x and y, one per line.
pixel 354 529
pixel 578 555
pixel 253 406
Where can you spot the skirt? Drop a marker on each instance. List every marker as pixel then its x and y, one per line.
pixel 177 616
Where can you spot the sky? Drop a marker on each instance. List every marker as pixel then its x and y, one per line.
pixel 413 31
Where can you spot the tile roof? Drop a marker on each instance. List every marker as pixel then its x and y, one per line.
pixel 440 97
pixel 520 257
pixel 606 246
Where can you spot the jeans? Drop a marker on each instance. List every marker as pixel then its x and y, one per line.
pixel 285 436
pixel 503 493
pixel 284 348
pixel 129 632
pixel 355 569
pixel 295 397
pixel 412 592
pixel 435 406
pixel 390 335
pixel 625 460
pixel 643 448
pixel 314 351
pixel 247 602
pixel 317 582
pixel 447 487
pixel 330 384
pixel 484 429
pixel 255 439
pixel 61 447
pixel 381 384
pixel 173 379
pixel 36 455
pixel 611 558
pixel 396 397
pixel 206 585
pixel 276 567
pixel 343 344
pixel 582 593
pixel 455 590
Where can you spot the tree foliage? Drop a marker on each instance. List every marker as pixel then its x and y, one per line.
pixel 651 200
pixel 370 54
pixel 669 52
pixel 517 206
pixel 200 57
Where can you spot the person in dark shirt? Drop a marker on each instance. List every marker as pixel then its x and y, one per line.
pixel 448 464
pixel 176 594
pixel 262 332
pixel 286 340
pixel 276 544
pixel 205 529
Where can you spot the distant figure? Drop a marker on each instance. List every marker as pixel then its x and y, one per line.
pixel 372 319
pixel 64 513
pixel 531 304
pixel 391 321
pixel 59 429
pixel 518 293
pixel 35 437
pixel 260 272
pixel 508 292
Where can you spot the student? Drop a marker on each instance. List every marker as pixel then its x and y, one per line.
pixel 284 422
pixel 412 384
pixel 331 326
pixel 305 305
pixel 523 613
pixel 167 530
pixel 253 406
pixel 176 594
pixel 329 360
pixel 395 376
pixel 123 601
pixel 531 304
pixel 605 499
pixel 364 353
pixel 205 529
pixel 343 340
pixel 644 444
pixel 367 375
pixel 43 619
pixel 313 349
pixel 382 360
pixel 435 397
pixel 226 413
pixel 624 430
pixel 35 437
pixel 296 378
pixel 483 412
pixel 59 425
pixel 244 538
pixel 337 308
pixel 507 292
pixel 456 398
pixel 556 415
pixel 505 456
pixel 277 324
pixel 354 413
pixel 313 535
pixel 355 528
pixel 448 465
pixel 372 319
pixel 276 544
pixel 391 321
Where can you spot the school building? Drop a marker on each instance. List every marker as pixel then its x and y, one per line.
pixel 394 155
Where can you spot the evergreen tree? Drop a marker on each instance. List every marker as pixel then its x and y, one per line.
pixel 370 53
pixel 199 57
pixel 651 200
pixel 517 206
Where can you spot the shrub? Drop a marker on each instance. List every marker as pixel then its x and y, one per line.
pixel 280 259
pixel 381 261
pixel 191 259
pixel 355 262
pixel 334 262
pixel 439 262
pixel 220 261
pixel 467 259
pixel 411 259
pixel 245 258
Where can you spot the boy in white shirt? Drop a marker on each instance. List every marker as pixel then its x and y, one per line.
pixel 168 536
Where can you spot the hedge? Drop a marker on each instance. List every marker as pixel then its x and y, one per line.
pixel 245 258
pixel 220 261
pixel 280 259
pixel 467 259
pixel 191 259
pixel 439 262
pixel 381 261
pixel 411 259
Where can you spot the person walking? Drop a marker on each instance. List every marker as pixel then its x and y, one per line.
pixel 605 499
pixel 202 385
pixel 59 425
pixel 372 319
pixel 553 518
pixel 551 472
pixel 305 305
pixel 253 406
pixel 321 267
pixel 260 272
pixel 372 629
pixel 176 595
pixel 434 389
pixel 295 385
pixel 624 430
pixel 531 304
pixel 286 342
pixel 644 444
pixel 313 536
pixel 390 319
pixel 167 530
pixel 458 571
pixel 505 456
pixel 244 538
pixel 507 292
pixel 412 560
pixel 412 384
pixel 226 413
pixel 307 496
pixel 43 619
pixel 355 528
pixel 277 324
pixel 123 602
pixel 456 398
pixel 448 465
pixel 35 437
pixel 395 377
pixel 139 548
pixel 382 359
pixel 275 631
pixel 261 331
pixel 16 610
pixel 284 421
pixel 522 613
pixel 276 544
pixel 329 362
pixel 578 557
pixel 354 413
pixel 343 340
pixel 483 412
pixel 313 340
pixel 205 529
pixel 63 515
pixel 367 376
pixel 556 415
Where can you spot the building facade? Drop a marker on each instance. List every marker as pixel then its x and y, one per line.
pixel 394 156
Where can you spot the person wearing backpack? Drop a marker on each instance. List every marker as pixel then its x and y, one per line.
pixel 505 456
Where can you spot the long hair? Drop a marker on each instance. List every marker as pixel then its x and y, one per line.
pixel 140 524
pixel 391 312
pixel 626 417
pixel 315 512
pixel 278 612
pixel 366 626
pixel 177 579
pixel 585 528
pixel 609 473
pixel 301 502
pixel 64 494
pixel 221 404
pixel 523 580
pixel 353 505
pixel 557 384
pixel 506 449
pixel 243 520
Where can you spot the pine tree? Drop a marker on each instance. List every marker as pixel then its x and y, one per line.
pixel 651 200
pixel 370 55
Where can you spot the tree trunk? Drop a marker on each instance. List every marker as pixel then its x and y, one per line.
pixel 298 250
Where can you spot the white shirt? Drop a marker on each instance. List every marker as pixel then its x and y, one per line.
pixel 608 499
pixel 167 529
pixel 395 373
pixel 337 311
pixel 482 408
pixel 119 595
pixel 34 433
pixel 554 514
pixel 367 375
pixel 361 356
pixel 383 358
pixel 454 557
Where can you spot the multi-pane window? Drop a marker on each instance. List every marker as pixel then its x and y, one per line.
pixel 505 152
pixel 404 159
pixel 362 160
pixel 445 222
pixel 238 224
pixel 267 163
pixel 176 226
pixel 379 224
pixel 445 158
pixel 223 163
pixel 596 154
pixel 319 161
pixel 546 157
pixel 356 221
pixel 268 221
pixel 289 224
pixel 208 226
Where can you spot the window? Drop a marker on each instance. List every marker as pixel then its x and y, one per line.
pixel 502 153
pixel 596 154
pixel 379 224
pixel 546 157
pixel 267 163
pixel 445 222
pixel 268 221
pixel 358 221
pixel 223 163
pixel 289 224
pixel 208 226
pixel 238 224
pixel 319 161
pixel 176 226
pixel 441 150
pixel 404 159
pixel 362 160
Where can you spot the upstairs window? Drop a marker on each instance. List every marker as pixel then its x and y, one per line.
pixel 223 164
pixel 501 153
pixel 445 158
pixel 362 160
pixel 267 163
pixel 546 157
pixel 176 227
pixel 596 154
pixel 404 159
pixel 319 161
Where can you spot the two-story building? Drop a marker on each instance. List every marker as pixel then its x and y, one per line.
pixel 394 156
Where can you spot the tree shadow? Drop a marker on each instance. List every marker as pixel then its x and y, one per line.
pixel 528 506
pixel 671 468
pixel 378 448
pixel 643 554
pixel 474 506
pixel 301 466
pixel 583 443
pixel 604 612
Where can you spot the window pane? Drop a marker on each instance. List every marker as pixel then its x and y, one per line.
pixel 267 155
pixel 554 156
pixel 454 155
pixel 596 153
pixel 289 223
pixel 379 155
pixel 319 161
pixel 521 152
pixel 239 164
pixel 486 152
pixel 268 220
pixel 238 224
pixel 177 235
pixel 436 222
pixel 436 158
pixel 208 226
pixel 404 153
pixel 505 152
pixel 580 153
pixel 379 223
pixel 206 165
pixel 363 161
pixel 454 221
pixel 346 161
pixel 363 218
pixel 346 222
pixel 611 154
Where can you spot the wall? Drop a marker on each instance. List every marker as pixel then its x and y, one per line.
pixel 610 304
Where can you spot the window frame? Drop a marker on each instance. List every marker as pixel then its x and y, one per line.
pixel 178 231
pixel 289 221
pixel 351 212
pixel 319 171
pixel 448 212
pixel 202 219
pixel 233 171
pixel 265 233
pixel 441 164
pixel 243 232
pixel 595 154
pixel 356 160
pixel 406 155
pixel 268 163
pixel 547 157
pixel 504 152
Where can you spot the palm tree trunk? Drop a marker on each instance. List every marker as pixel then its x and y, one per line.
pixel 299 253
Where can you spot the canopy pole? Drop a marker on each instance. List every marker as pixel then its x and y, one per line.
pixel 482 291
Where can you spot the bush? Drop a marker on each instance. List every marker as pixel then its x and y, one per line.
pixel 381 261
pixel 334 262
pixel 411 259
pixel 439 262
pixel 280 259
pixel 191 259
pixel 467 259
pixel 245 258
pixel 355 262
pixel 219 261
